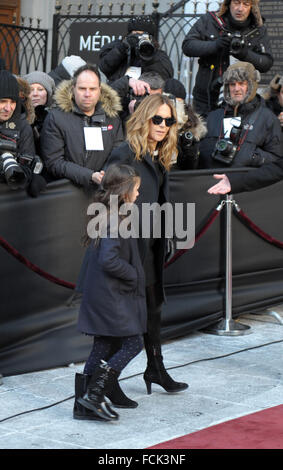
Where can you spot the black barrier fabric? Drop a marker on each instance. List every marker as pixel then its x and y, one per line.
pixel 38 318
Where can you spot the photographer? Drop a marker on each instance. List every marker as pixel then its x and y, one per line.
pixel 191 127
pixel 244 132
pixel 219 39
pixel 137 53
pixel 19 166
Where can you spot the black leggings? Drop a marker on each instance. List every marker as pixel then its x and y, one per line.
pixel 117 352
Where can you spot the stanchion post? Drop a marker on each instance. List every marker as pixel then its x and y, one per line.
pixel 228 326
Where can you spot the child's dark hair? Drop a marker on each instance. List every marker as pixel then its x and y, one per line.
pixel 118 180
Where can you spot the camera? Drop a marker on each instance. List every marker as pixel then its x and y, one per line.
pixel 16 170
pixel 142 45
pixel 226 149
pixel 145 47
pixel 237 43
pixel 138 98
pixel 187 139
pixel 14 175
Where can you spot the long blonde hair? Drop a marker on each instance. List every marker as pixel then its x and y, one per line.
pixel 138 130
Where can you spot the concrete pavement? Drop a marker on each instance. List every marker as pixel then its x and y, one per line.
pixel 229 376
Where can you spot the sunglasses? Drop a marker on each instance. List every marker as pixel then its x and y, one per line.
pixel 159 119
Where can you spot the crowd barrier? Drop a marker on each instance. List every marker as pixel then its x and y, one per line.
pixel 41 253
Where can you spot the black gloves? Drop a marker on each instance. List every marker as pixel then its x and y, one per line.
pixel 37 185
pixel 223 42
pixel 131 41
pixel 241 53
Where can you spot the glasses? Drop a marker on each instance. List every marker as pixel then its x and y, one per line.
pixel 169 121
pixel 246 3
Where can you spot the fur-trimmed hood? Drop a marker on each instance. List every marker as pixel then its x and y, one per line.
pixel 109 99
pixel 255 11
pixel 200 130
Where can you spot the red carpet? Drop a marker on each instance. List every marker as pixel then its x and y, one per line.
pixel 261 430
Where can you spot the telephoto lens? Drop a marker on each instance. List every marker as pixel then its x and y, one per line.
pixel 14 175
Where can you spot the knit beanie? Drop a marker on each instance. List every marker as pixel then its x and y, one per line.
pixel 44 80
pixel 255 10
pixel 239 72
pixel 71 63
pixel 142 23
pixel 9 87
pixel 175 87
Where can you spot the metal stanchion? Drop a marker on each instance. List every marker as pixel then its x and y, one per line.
pixel 228 326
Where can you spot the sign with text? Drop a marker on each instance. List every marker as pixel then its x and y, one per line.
pixel 272 12
pixel 87 39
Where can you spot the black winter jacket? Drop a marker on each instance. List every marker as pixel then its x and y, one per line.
pixel 62 138
pixel 113 62
pixel 113 302
pixel 19 129
pixel 149 192
pixel 201 42
pixel 258 178
pixel 261 143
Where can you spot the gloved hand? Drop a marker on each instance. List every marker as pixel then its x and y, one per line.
pixel 223 42
pixel 131 41
pixel 241 54
pixel 36 185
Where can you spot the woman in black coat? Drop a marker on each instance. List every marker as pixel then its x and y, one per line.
pixel 113 307
pixel 151 142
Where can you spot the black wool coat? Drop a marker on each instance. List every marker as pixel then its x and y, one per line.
pixel 113 300
pixel 149 192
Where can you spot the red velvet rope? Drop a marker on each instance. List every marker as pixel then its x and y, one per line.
pixel 10 249
pixel 179 253
pixel 244 218
pixel 32 266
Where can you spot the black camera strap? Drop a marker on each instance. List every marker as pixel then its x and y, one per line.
pixel 246 126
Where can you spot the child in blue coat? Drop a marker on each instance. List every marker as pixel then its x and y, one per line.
pixel 113 307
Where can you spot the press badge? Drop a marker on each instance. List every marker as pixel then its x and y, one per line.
pixel 93 138
pixel 228 123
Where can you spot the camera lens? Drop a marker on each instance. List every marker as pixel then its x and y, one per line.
pixel 145 48
pixel 14 175
pixel 225 147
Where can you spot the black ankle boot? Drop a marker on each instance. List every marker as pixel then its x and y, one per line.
pixel 118 397
pixel 156 373
pixel 100 382
pixel 80 411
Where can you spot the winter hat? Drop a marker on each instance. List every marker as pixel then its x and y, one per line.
pixel 71 63
pixel 175 87
pixel 44 80
pixel 239 72
pixel 9 87
pixel 255 10
pixel 142 23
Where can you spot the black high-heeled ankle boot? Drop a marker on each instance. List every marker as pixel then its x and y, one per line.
pixel 156 373
pixel 118 397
